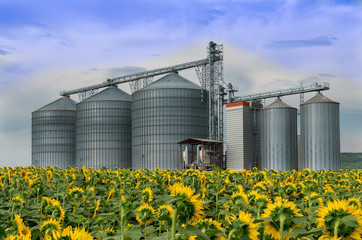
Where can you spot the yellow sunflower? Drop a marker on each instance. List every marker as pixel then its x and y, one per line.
pixel 251 196
pixel 220 238
pixel 58 211
pixel 148 194
pixel 290 189
pixel 244 227
pixel 24 174
pixel 165 209
pixel 240 199
pixel 107 230
pixel 192 208
pixel 221 191
pixel 327 237
pixel 21 229
pixel 208 224
pixel 331 216
pixel 281 213
pixel 314 200
pixel 17 199
pixel 49 175
pixel 203 180
pixel 75 190
pixel 111 194
pixel 355 201
pixel 146 214
pixel 69 233
pixel 97 203
pixel 49 226
pixel 260 187
pixel 18 237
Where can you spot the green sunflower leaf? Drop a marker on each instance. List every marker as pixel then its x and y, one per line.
pixel 2 232
pixel 302 232
pixel 267 219
pixel 192 231
pixel 134 233
pixel 350 221
pixel 162 237
pixel 299 220
pixel 166 218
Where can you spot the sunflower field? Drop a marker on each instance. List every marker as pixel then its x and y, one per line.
pixel 80 203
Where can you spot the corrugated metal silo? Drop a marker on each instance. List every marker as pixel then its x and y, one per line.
pixel 239 141
pixel 279 137
pixel 320 134
pixel 53 134
pixel 104 130
pixel 164 113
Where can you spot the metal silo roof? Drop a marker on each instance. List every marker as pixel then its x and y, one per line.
pixel 278 103
pixel 319 98
pixel 111 93
pixel 63 103
pixel 172 80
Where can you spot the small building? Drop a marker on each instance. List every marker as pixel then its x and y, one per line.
pixel 197 153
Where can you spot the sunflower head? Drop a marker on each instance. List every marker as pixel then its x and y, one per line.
pixel 147 194
pixel 208 224
pixel 281 210
pixel 260 187
pixel 20 227
pixel 75 192
pixel 240 199
pixel 165 210
pixel 111 194
pixel 49 175
pixel 261 200
pixel 188 205
pixel 203 180
pixel 355 202
pixel 244 227
pixel 332 218
pixel 17 200
pixel 24 174
pixel 76 234
pixel 108 231
pixel 49 226
pixel 290 189
pixel 145 217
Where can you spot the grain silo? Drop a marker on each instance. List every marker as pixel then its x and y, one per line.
pixel 164 113
pixel 239 122
pixel 279 137
pixel 53 134
pixel 104 130
pixel 320 134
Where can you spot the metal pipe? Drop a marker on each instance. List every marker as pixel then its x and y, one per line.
pixel 137 76
pixel 198 154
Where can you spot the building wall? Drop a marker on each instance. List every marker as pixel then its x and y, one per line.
pixel 238 135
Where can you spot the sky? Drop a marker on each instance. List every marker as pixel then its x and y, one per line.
pixel 50 46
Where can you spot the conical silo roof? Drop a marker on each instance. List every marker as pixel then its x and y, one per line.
pixel 61 104
pixel 278 103
pixel 111 93
pixel 319 98
pixel 172 80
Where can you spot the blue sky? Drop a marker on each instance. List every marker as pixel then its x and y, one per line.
pixel 50 46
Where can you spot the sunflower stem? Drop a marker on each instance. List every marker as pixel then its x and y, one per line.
pixel 12 211
pixel 231 233
pixel 336 224
pixel 160 228
pixel 122 222
pixel 174 220
pixel 310 214
pixel 282 220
